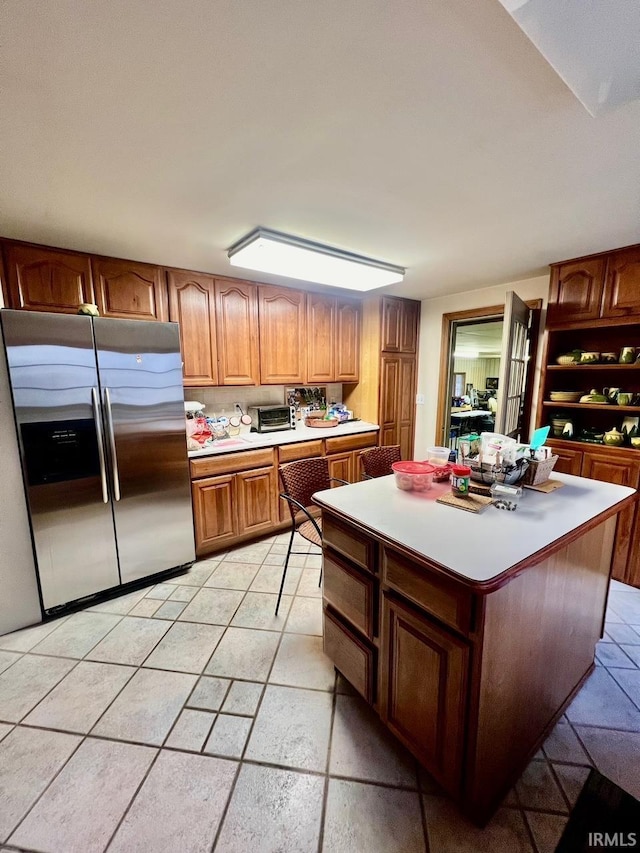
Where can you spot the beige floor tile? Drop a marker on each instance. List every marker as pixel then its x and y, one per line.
pixel 29 759
pixel 450 832
pixel 170 609
pixel 228 736
pixel 80 810
pixel 308 585
pixel 546 829
pixel 25 639
pixel 296 560
pixel 572 780
pixel 212 606
pixel 186 647
pixel 269 578
pixel 602 702
pixel 197 574
pixel 361 748
pixel 161 591
pixel 633 652
pixel 343 686
pixel 314 561
pixel 147 707
pixel 624 634
pixel 130 642
pixel 146 607
pixel 301 662
pixel 8 658
pixel 179 807
pixel 629 680
pixel 25 683
pixel 121 604
pixel 183 593
pixel 191 730
pixel 292 728
pixel 538 789
pixel 258 611
pixel 209 693
pixel 273 811
pixel 243 698
pixel 77 703
pixel 626 605
pixel 616 754
pixel 563 745
pixel 609 654
pixel 247 554
pixel 233 576
pixel 5 728
pixel 371 818
pixel 78 634
pixel 244 653
pixel 305 616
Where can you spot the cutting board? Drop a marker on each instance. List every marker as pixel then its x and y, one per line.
pixel 549 486
pixel 472 503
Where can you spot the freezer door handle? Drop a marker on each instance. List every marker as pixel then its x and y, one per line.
pixel 100 439
pixel 112 445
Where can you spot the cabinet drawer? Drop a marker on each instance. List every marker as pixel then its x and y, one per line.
pixel 300 450
pixel 448 602
pixel 231 463
pixel 358 547
pixel 351 656
pixel 351 442
pixel 350 592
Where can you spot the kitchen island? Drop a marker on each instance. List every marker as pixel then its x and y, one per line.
pixel 468 634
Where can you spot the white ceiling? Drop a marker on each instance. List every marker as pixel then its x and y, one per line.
pixel 430 134
pixel 482 338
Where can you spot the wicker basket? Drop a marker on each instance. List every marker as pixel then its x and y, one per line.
pixel 321 423
pixel 539 470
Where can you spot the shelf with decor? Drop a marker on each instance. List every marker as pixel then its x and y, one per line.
pixel 593 367
pixel 596 407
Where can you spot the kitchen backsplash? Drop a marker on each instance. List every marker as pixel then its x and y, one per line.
pixel 223 398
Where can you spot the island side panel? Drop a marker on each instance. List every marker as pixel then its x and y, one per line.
pixel 539 638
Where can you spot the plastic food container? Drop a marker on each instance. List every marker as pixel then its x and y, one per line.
pixel 438 455
pixel 506 497
pixel 413 476
pixel 460 477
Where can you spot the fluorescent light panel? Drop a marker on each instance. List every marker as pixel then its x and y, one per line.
pixel 282 254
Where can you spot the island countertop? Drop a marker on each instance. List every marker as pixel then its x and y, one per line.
pixel 477 548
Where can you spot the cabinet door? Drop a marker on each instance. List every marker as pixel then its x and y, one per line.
pixel 576 291
pixel 409 323
pixel 129 290
pixel 191 305
pixel 423 688
pixel 569 461
pixel 47 280
pixel 282 335
pixel 391 324
pixel 237 327
pixel 406 406
pixel 622 284
pixel 633 563
pixel 341 466
pixel 610 468
pixel 389 385
pixel 347 346
pixel 256 492
pixel 213 511
pixel 321 338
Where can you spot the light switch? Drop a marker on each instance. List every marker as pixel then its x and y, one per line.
pixel 419 399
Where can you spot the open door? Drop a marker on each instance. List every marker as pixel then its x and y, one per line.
pixel 513 365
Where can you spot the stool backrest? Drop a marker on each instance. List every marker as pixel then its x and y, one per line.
pixel 377 461
pixel 300 480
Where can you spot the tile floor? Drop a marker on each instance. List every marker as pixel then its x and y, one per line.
pixel 186 717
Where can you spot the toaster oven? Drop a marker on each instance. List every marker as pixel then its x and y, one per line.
pixel 272 418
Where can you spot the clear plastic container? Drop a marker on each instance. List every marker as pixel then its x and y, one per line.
pixel 506 497
pixel 413 476
pixel 438 455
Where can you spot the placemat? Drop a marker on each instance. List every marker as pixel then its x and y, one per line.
pixel 471 503
pixel 549 486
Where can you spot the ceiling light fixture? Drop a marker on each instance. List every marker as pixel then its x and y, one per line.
pixel 282 254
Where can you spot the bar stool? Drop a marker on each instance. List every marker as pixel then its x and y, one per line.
pixel 377 462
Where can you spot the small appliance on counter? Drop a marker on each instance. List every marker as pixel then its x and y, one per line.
pixel 272 418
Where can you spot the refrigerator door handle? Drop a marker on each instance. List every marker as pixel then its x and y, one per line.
pixel 112 445
pixel 100 439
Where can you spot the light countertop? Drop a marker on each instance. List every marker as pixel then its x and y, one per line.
pixel 477 547
pixel 255 440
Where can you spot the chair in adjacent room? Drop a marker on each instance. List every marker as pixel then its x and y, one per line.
pixel 300 480
pixel 377 462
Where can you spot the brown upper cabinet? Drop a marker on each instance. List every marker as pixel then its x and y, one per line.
pixel 622 284
pixel 129 290
pixel 237 329
pixel 191 304
pixel 41 279
pixel 282 335
pixel 347 349
pixel 400 319
pixel 321 338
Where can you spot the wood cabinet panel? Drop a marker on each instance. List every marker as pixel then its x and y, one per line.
pixel 41 279
pixel 256 495
pixel 576 291
pixel 350 655
pixel 129 290
pixel 282 335
pixel 622 284
pixel 569 461
pixel 213 512
pixel 409 325
pixel 632 574
pixel 350 592
pixel 405 405
pixel 231 463
pixel 389 385
pixel 191 304
pixel 391 324
pixel 300 450
pixel 351 442
pixel 237 331
pixel 341 467
pixel 358 547
pixel 424 692
pixel 347 345
pixel 321 338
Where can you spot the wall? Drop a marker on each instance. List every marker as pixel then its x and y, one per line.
pixel 222 399
pixel 430 337
pixel 476 370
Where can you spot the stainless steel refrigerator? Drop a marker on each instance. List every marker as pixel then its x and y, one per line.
pixel 99 411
